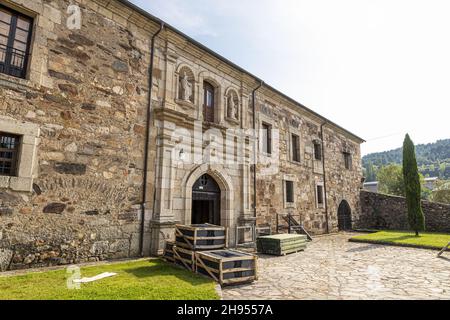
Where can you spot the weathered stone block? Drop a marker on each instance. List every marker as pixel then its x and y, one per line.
pixel 70 168
pixel 5 259
pixel 57 208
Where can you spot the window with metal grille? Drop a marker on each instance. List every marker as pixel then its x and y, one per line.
pixel 289 191
pixel 295 148
pixel 9 147
pixel 15 39
pixel 348 160
pixel 317 151
pixel 267 138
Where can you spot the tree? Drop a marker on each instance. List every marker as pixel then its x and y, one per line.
pixel 411 178
pixel 370 172
pixel 390 180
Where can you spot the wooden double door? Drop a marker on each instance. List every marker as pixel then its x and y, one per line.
pixel 206 197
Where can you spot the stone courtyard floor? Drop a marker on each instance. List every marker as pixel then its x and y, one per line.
pixel 333 268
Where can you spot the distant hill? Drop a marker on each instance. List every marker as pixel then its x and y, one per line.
pixel 433 160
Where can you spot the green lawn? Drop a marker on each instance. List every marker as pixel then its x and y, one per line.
pixel 137 280
pixel 426 240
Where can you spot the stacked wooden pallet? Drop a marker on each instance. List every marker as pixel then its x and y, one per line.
pixel 202 249
pixel 281 244
pixel 227 266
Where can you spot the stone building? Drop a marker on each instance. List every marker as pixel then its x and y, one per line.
pixel 95 163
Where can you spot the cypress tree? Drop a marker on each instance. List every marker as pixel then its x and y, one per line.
pixel 416 218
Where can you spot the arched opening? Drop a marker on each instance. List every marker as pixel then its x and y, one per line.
pixel 344 216
pixel 206 197
pixel 209 104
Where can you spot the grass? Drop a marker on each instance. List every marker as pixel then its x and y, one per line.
pixel 426 240
pixel 136 280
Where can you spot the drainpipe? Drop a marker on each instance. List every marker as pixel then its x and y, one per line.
pixel 324 175
pixel 147 139
pixel 256 149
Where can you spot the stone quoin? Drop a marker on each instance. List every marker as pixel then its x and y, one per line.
pixel 74 126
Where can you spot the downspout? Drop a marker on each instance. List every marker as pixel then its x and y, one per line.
pixel 324 175
pixel 147 139
pixel 256 146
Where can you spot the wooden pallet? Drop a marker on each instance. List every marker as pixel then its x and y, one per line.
pixel 227 267
pixel 184 258
pixel 281 244
pixel 168 254
pixel 201 237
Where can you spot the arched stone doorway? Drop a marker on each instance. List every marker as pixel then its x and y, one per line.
pixel 206 198
pixel 344 216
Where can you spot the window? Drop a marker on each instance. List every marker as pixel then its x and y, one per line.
pixel 15 38
pixel 267 138
pixel 9 146
pixel 347 160
pixel 295 148
pixel 317 151
pixel 289 185
pixel 320 196
pixel 208 109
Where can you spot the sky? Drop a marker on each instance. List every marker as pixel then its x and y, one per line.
pixel 380 69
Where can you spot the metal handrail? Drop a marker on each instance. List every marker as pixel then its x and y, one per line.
pixel 12 60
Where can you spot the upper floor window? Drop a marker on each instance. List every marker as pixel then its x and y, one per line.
pixel 348 160
pixel 15 39
pixel 295 140
pixel 317 151
pixel 267 138
pixel 9 148
pixel 209 103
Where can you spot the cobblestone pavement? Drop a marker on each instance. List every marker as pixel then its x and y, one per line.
pixel 333 268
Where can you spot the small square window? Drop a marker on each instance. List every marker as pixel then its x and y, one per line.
pixel 289 186
pixel 9 148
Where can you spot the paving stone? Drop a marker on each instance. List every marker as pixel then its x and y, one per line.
pixel 334 269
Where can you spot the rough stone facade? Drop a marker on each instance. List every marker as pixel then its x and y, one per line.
pixel 85 101
pixel 380 211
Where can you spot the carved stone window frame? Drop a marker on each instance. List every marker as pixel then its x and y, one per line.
pixel 274 135
pixel 27 156
pixel 295 131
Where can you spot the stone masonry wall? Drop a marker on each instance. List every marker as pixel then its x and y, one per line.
pixel 379 211
pixel 87 91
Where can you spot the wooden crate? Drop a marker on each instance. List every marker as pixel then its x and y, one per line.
pixel 168 254
pixel 281 244
pixel 227 267
pixel 184 258
pixel 201 237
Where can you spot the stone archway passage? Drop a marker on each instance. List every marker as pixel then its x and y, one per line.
pixel 206 196
pixel 344 216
